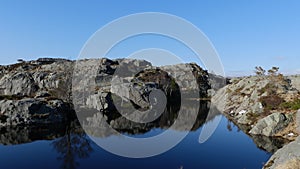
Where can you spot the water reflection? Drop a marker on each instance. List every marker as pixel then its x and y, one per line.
pixel 268 144
pixel 71 144
pixel 74 144
pixel 96 123
pixel 15 135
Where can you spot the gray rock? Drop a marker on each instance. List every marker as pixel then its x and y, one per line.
pixel 98 101
pixel 271 124
pixel 20 83
pixel 244 119
pixel 33 111
pixel 257 108
pixel 41 94
pixel 191 77
pixel 284 155
pixel 295 81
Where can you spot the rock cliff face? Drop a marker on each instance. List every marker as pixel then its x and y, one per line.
pixel 45 90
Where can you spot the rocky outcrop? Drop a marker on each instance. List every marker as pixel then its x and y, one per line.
pixel 264 103
pixel 45 75
pixel 271 124
pixel 45 90
pixel 133 81
pixel 36 92
pixel 288 156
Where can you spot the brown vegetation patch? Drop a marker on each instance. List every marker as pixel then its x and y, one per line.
pixel 270 103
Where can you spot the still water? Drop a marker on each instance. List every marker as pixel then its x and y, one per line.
pixel 68 147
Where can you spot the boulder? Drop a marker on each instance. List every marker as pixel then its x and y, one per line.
pixel 271 124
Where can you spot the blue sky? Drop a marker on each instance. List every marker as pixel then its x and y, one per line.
pixel 245 33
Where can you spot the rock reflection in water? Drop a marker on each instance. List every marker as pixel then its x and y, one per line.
pixel 268 144
pixel 16 135
pixel 70 141
pixel 97 123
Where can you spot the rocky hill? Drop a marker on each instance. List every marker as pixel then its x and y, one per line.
pixel 48 90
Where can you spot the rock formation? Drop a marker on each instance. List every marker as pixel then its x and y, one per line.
pixel 46 90
pixel 267 104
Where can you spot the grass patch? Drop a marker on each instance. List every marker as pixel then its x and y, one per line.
pixel 293 105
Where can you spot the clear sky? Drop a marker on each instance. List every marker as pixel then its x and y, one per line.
pixel 245 33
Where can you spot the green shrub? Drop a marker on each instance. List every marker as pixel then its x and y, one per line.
pixel 293 105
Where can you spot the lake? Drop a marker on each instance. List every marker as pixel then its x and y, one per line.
pixel 66 146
